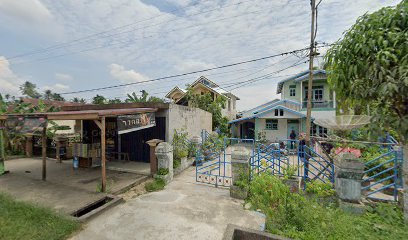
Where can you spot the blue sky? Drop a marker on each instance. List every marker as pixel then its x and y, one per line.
pixel 136 40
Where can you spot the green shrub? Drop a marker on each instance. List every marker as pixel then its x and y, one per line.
pixel 157 185
pixel 163 171
pixel 243 179
pixel 292 215
pixel 320 189
pixel 180 144
pixel 176 163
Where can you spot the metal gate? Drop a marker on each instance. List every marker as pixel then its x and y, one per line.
pixel 213 160
pixel 294 159
pixel 382 176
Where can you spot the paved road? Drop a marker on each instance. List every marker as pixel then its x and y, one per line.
pixel 183 210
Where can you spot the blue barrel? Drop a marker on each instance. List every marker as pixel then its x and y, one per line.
pixel 75 162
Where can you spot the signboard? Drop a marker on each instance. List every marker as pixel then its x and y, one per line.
pixel 130 123
pixel 25 125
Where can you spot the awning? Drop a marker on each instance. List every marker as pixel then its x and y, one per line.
pixel 83 114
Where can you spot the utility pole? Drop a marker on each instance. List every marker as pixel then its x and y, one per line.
pixel 309 85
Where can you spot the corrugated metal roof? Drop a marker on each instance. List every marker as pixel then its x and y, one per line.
pixel 85 114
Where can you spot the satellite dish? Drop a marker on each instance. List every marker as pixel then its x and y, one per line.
pixel 344 122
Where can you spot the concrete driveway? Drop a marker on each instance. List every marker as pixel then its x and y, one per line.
pixel 183 210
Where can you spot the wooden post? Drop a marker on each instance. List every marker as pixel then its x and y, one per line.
pixel 103 154
pixel 44 153
pixel 57 150
pixel 153 160
pixel 310 82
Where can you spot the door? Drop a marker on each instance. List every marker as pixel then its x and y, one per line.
pixel 293 125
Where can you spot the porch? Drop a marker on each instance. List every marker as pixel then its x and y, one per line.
pixel 66 189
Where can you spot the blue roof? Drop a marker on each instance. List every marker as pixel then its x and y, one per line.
pixel 257 115
pixel 241 119
pixel 281 107
pixel 276 104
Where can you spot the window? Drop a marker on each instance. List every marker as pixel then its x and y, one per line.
pixel 313 130
pixel 271 124
pixel 317 94
pixel 322 131
pixel 278 112
pixel 229 105
pixel 292 91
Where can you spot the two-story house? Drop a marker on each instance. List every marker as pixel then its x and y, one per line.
pixel 203 86
pixel 277 118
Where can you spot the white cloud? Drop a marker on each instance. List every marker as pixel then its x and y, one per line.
pixel 58 87
pixel 63 77
pixel 175 42
pixel 9 81
pixel 125 76
pixel 27 11
pixel 192 65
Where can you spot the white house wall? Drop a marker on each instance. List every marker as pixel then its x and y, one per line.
pixel 274 135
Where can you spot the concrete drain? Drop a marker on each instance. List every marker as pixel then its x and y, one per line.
pixel 95 207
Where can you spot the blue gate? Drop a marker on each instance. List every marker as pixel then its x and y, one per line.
pixel 383 176
pixel 289 157
pixel 213 160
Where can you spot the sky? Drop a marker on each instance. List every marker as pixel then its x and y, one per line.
pixel 72 45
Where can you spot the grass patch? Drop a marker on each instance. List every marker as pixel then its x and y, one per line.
pixel 157 185
pixel 19 220
pixel 295 216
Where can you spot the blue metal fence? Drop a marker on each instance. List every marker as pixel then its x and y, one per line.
pixel 316 166
pixel 274 159
pixel 382 176
pixel 213 160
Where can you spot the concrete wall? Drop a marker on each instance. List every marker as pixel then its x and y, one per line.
pixel 192 120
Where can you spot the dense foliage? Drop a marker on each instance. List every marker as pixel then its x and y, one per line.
pixel 207 103
pixel 296 216
pixel 369 67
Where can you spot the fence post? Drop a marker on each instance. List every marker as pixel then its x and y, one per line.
pixel 348 177
pixel 164 154
pixel 240 172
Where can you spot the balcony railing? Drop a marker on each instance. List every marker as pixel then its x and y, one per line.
pixel 319 104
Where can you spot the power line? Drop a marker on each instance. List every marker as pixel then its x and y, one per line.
pixel 266 76
pixel 189 73
pixel 89 37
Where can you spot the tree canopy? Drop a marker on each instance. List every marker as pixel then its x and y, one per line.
pixel 207 103
pixel 144 98
pixel 369 67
